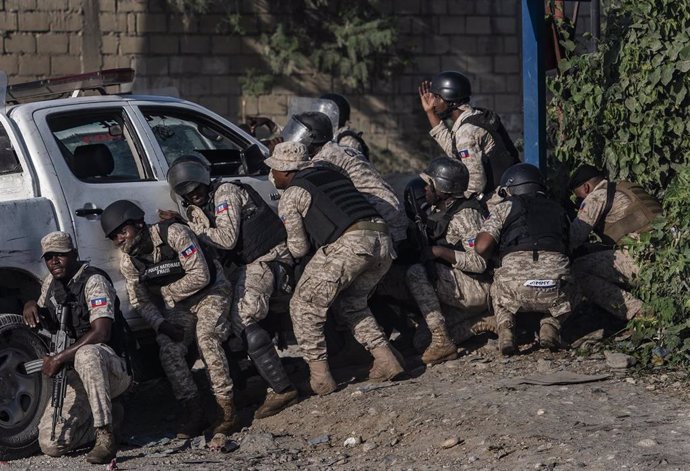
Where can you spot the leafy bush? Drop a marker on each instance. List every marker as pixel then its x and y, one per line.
pixel 625 107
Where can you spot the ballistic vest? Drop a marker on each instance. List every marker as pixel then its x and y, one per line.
pixel 503 155
pixel 535 224
pixel 638 215
pixel 358 137
pixel 437 223
pixel 335 204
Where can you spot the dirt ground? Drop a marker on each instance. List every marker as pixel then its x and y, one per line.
pixel 470 413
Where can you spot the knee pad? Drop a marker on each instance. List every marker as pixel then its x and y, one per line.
pixel 257 339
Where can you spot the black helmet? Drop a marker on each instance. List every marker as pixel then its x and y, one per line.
pixel 342 104
pixel 415 199
pixel 448 176
pixel 187 173
pixel 452 86
pixel 522 179
pixel 311 128
pixel 118 213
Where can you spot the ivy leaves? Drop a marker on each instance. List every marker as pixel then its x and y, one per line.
pixel 625 107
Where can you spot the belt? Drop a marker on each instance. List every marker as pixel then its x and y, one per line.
pixel 368 226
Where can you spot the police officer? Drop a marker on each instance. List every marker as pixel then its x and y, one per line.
pixel 613 211
pixel 326 216
pixel 345 135
pixel 235 220
pixel 165 262
pixel 98 356
pixel 477 137
pixel 530 234
pixel 455 274
pixel 315 130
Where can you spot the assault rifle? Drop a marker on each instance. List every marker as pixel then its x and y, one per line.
pixel 416 210
pixel 59 342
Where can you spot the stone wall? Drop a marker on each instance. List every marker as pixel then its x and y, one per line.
pixel 482 38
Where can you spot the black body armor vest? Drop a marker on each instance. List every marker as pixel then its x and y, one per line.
pixel 358 137
pixel 169 269
pixel 78 323
pixel 335 204
pixel 437 223
pixel 503 155
pixel 535 224
pixel 260 228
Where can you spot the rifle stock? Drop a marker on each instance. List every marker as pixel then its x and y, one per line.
pixel 60 341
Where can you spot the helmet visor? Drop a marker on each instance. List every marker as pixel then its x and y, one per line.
pixel 294 131
pixel 301 104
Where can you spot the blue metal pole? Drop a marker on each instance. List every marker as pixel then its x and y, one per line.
pixel 533 82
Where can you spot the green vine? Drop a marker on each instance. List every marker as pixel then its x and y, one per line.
pixel 625 107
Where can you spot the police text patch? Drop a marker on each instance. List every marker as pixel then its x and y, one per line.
pixel 541 283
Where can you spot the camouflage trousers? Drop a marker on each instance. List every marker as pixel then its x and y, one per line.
pixel 512 294
pixel 341 275
pixel 99 375
pixel 452 287
pixel 253 290
pixel 604 277
pixel 203 317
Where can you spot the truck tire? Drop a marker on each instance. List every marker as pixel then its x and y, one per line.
pixel 23 398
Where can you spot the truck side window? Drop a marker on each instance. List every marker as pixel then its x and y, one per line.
pixel 98 147
pixel 8 159
pixel 180 132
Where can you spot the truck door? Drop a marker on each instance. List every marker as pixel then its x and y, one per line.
pixel 101 159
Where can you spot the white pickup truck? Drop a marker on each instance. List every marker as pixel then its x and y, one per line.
pixel 61 162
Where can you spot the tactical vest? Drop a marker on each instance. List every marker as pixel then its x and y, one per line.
pixel 535 224
pixel 503 155
pixel 358 137
pixel 335 204
pixel 79 323
pixel 437 223
pixel 637 216
pixel 260 228
pixel 169 269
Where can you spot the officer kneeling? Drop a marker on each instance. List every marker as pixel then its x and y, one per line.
pixel 326 216
pixel 100 373
pixel 531 232
pixel 166 261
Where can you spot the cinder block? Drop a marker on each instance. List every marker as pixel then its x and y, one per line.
pixel 18 42
pixel 215 65
pixel 70 20
pixel 23 5
pixel 106 6
pixel 194 86
pixel 273 104
pixel 182 24
pixel 429 63
pixel 226 45
pixel 109 44
pixel 9 63
pixel 34 21
pixel 489 44
pixel 8 21
pixel 483 101
pixel 184 65
pixel 480 64
pixel 132 5
pixel 463 7
pixel 113 22
pixel 164 44
pixel 452 24
pixel 133 45
pixel 214 103
pixel 507 103
pixel 150 65
pixel 437 7
pixel 504 24
pixel 506 64
pixel 225 85
pixel 511 45
pixel 34 65
pixel 407 7
pixel 464 44
pixel 435 44
pixel 480 25
pixel 454 62
pixel 64 65
pixel 75 44
pixel 151 23
pixel 52 43
pixel 195 44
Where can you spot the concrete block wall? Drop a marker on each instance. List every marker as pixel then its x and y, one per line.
pixel 205 64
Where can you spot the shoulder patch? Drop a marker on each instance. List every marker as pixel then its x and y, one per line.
pixel 463 154
pixel 222 208
pixel 189 251
pixel 98 302
pixel 470 242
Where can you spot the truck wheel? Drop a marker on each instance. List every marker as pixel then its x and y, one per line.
pixel 23 398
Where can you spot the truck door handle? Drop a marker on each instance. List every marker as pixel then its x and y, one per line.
pixel 83 212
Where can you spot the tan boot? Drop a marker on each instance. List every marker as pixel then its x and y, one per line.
pixel 227 422
pixel 441 348
pixel 320 378
pixel 506 339
pixel 193 422
pixel 387 363
pixel 105 448
pixel 275 402
pixel 549 336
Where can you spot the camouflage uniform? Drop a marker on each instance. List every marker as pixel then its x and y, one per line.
pixel 454 285
pixel 601 275
pixel 254 284
pixel 471 142
pixel 517 282
pixel 341 274
pixel 202 314
pixel 99 375
pixel 369 182
pixel 348 141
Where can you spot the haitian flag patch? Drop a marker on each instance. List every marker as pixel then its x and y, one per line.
pixel 189 251
pixel 470 243
pixel 98 302
pixel 465 153
pixel 221 208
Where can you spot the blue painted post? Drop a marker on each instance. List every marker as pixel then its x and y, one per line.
pixel 533 82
